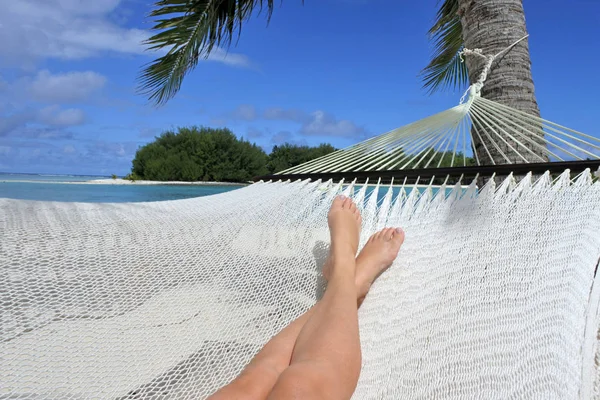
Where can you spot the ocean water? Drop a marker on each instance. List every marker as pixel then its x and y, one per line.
pixel 15 177
pixel 54 188
pixel 66 188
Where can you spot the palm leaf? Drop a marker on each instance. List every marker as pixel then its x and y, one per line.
pixel 445 70
pixel 190 30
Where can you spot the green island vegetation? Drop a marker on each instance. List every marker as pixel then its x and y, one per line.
pixel 217 155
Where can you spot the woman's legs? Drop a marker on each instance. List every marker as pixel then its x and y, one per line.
pixel 260 376
pixel 326 358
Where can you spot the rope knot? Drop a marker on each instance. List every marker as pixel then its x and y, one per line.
pixel 469 52
pixel 487 66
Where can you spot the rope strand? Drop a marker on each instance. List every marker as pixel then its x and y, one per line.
pixel 489 60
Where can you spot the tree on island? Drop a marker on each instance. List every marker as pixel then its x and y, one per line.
pixel 288 155
pixel 207 154
pixel 199 154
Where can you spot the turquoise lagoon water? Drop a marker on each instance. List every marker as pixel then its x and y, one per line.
pixel 65 188
pixel 53 188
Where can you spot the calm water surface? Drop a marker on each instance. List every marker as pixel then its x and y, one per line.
pixel 47 188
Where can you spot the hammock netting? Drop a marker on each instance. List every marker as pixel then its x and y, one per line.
pixel 494 293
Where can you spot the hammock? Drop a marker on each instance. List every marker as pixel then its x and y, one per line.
pixel 494 293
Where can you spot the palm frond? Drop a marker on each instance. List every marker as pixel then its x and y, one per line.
pixel 445 70
pixel 190 30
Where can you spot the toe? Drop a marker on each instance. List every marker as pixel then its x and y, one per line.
pixel 338 201
pixel 353 207
pixel 388 233
pixel 373 237
pixel 398 236
pixel 357 214
pixel 379 234
pixel 347 203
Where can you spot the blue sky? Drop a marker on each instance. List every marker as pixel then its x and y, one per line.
pixel 333 71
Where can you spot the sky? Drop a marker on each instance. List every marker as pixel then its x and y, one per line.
pixel 328 71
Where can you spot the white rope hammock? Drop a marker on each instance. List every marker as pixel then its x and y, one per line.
pixel 494 294
pixel 517 137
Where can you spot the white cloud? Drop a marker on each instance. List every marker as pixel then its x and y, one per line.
pixel 45 133
pixel 282 137
pixel 125 149
pixel 20 154
pixel 67 87
pixel 285 114
pixel 324 124
pixel 244 112
pixel 254 133
pixel 54 116
pixel 51 116
pixel 64 29
pixel 248 112
pixel 9 123
pixel 73 29
pixel 233 59
pixel 317 123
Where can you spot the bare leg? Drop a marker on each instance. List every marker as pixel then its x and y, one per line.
pixel 326 359
pixel 259 377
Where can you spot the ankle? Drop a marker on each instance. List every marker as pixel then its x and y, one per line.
pixel 343 251
pixel 343 265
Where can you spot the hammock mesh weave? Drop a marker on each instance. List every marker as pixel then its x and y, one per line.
pixel 493 295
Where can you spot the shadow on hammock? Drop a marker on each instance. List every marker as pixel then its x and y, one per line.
pixel 201 371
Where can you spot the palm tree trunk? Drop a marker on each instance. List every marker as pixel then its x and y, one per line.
pixel 493 25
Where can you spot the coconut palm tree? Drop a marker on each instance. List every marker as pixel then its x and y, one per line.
pixel 190 29
pixel 489 25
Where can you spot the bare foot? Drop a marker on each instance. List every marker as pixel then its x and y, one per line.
pixel 344 225
pixel 377 255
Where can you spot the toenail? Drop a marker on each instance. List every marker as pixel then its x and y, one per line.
pixel 342 196
pixel 399 230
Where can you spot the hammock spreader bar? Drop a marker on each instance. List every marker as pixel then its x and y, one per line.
pixel 425 173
